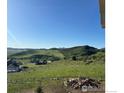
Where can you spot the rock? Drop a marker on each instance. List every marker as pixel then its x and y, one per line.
pixel 82 83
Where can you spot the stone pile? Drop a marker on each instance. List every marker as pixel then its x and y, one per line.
pixel 82 83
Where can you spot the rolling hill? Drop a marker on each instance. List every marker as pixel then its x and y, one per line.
pixel 63 67
pixel 85 53
pixel 11 51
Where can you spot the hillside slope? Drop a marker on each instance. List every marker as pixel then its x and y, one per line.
pixel 11 51
pixel 85 53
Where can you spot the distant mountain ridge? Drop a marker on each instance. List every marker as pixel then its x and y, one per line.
pixel 84 53
pixel 11 51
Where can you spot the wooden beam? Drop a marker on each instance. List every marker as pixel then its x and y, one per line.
pixel 102 12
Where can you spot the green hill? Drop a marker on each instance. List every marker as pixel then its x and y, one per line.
pixel 79 51
pixel 85 53
pixel 79 61
pixel 31 52
pixel 11 51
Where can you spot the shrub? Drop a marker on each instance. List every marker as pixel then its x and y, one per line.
pixel 39 89
pixel 74 58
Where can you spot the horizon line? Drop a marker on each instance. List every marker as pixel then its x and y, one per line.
pixel 54 47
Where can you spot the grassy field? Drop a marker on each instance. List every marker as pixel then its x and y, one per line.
pixel 43 74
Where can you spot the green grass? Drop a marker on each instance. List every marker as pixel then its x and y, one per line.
pixel 65 69
pixel 29 53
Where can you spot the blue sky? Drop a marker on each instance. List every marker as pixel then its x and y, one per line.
pixel 54 23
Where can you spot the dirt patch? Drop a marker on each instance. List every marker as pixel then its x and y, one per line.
pixel 28 91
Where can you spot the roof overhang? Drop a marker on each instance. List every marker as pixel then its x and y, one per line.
pixel 102 12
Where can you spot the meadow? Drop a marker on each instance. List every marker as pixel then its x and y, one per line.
pixel 52 74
